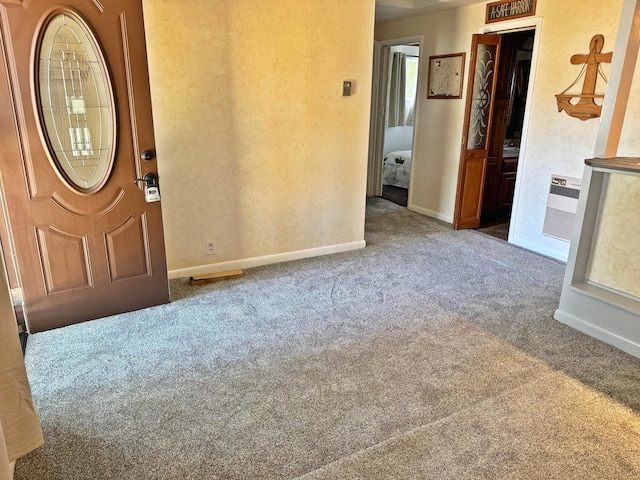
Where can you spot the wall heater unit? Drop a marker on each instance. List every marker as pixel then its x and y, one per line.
pixel 562 205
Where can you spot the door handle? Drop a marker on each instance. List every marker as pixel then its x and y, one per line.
pixel 148 155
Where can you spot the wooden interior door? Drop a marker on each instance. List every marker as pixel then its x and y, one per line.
pixel 485 54
pixel 76 132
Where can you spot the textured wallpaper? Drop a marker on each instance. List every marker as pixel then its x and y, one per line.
pixel 615 256
pixel 257 149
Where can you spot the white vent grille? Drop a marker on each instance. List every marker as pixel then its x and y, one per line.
pixel 562 206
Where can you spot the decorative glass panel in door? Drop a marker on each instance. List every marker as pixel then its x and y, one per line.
pixel 76 103
pixel 485 53
pixel 481 99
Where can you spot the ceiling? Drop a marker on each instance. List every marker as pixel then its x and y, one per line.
pixel 395 9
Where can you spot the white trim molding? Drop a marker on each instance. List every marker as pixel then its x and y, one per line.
pixel 537 248
pixel 265 260
pixel 431 213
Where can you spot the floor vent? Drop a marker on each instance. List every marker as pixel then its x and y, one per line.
pixel 562 206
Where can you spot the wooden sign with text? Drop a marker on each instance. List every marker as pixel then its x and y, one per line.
pixel 510 9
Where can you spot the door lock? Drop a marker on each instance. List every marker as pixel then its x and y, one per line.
pixel 151 187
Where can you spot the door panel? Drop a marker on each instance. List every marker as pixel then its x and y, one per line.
pixel 506 190
pixel 494 161
pixel 128 250
pixel 475 170
pixel 87 243
pixel 64 260
pixel 491 181
pixel 485 53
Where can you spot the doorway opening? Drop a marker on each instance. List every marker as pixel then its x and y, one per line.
pixel 510 101
pixel 396 66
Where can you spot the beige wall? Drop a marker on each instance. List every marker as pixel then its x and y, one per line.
pixel 615 260
pixel 555 143
pixel 257 149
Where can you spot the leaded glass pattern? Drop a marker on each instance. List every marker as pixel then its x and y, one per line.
pixel 481 101
pixel 76 102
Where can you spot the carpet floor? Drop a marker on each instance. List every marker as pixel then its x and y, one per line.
pixel 429 354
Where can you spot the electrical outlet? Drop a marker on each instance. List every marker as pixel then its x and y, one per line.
pixel 211 248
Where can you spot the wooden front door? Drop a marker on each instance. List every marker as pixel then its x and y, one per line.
pixel 76 132
pixel 483 65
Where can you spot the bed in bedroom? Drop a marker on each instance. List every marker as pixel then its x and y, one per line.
pixel 396 169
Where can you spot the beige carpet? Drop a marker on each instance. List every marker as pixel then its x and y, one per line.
pixel 430 354
pixel 552 427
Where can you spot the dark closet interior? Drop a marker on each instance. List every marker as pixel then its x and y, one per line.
pixel 508 117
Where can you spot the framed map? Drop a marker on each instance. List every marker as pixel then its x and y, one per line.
pixel 445 76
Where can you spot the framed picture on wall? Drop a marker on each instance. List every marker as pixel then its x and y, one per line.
pixel 445 76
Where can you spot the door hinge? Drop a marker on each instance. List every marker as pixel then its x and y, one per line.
pixel 17 297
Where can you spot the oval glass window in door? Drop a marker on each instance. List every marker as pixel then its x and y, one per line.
pixel 76 102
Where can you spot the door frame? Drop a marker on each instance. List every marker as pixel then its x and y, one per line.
pixel 512 26
pixel 7 250
pixel 378 102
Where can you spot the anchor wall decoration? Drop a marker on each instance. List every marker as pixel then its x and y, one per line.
pixel 585 107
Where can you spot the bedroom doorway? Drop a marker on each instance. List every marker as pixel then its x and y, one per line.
pixel 394 93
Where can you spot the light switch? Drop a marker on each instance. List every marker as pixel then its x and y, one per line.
pixel 346 88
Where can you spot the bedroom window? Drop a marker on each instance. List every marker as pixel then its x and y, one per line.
pixel 412 78
pixel 411 87
pixel 402 87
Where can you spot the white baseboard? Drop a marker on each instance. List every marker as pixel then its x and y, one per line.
pixel 596 331
pixel 534 247
pixel 431 213
pixel 265 260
